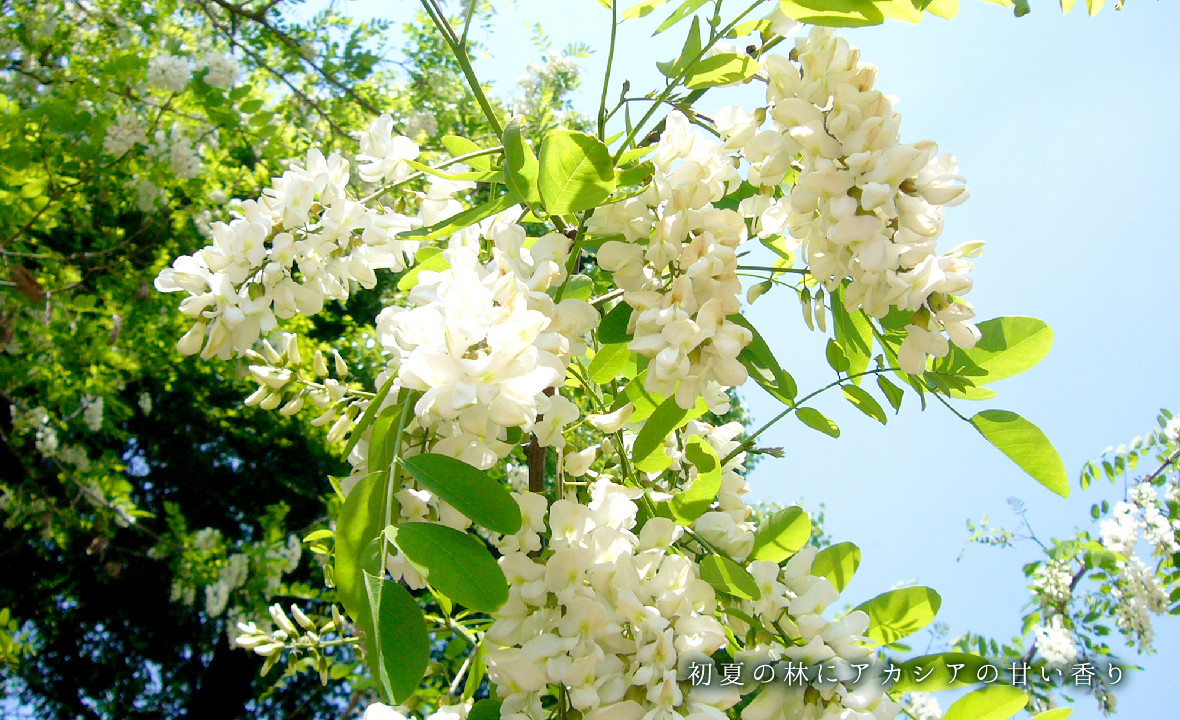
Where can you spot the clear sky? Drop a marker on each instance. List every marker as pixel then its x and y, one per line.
pixel 1065 128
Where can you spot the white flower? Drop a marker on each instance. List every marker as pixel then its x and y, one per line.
pixel 1055 643
pixel 92 408
pixel 383 156
pixel 222 70
pixel 380 711
pixel 169 72
pixel 127 131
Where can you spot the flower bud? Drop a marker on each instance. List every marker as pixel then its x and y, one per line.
pixel 302 618
pixel 292 350
pixel 341 366
pixel 281 619
pixel 271 401
pixel 292 407
pixel 318 365
pixel 256 397
pixel 272 356
pixel 190 343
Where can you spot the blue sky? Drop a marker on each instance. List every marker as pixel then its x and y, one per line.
pixel 1064 129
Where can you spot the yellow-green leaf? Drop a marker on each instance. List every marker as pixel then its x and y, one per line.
pixel 1025 445
pixel 781 535
pixel 994 702
pixel 816 420
pixel 900 613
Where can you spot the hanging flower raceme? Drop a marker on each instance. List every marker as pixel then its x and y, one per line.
pixel 683 285
pixel 864 209
pixel 286 253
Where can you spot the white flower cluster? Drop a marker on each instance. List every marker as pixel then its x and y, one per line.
pixel 1120 531
pixel 923 706
pixel 1053 581
pixel 169 72
pixel 864 207
pixel 222 70
pixel 1137 587
pixel 37 421
pixel 303 242
pixel 610 615
pixel 183 159
pixel 677 266
pixel 147 194
pixel 1139 595
pixel 1055 642
pixel 92 410
pixel 487 346
pixel 421 122
pixel 231 577
pixel 381 711
pixel 793 600
pixel 127 131
pixel 1172 429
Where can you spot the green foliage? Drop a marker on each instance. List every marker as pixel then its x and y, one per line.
pixel 454 563
pixel 994 702
pixel 837 563
pixel 468 490
pixel 781 535
pixel 575 172
pixel 1026 445
pixel 900 613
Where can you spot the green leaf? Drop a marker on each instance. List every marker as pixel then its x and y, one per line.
pixel 1025 445
pixel 930 673
pixel 250 106
pixel 457 146
pixel 833 13
pixel 1008 346
pixel 380 457
pixel 575 172
pixel 454 563
pixel 486 709
pixel 900 613
pixel 369 415
pixel 430 258
pixel 688 7
pixel 477 176
pixel 994 702
pixel 520 164
pixel 837 360
pixel 634 175
pixel 816 420
pixel 721 69
pixel 358 525
pixel 608 362
pixel 781 535
pixel 642 9
pixel 837 563
pixel 1055 713
pixel 948 9
pixel 854 332
pixel 762 365
pixel 648 451
pixel 688 53
pixel 864 402
pixel 467 489
pixel 613 328
pixel 578 287
pixel 688 505
pixel 464 219
pixel 892 392
pixel 399 648
pixel 728 577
